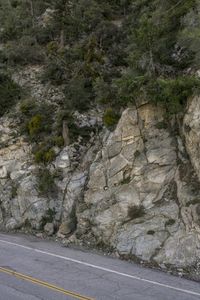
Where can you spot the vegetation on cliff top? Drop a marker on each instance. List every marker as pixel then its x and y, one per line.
pixel 109 52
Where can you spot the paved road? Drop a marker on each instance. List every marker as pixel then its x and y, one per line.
pixel 33 269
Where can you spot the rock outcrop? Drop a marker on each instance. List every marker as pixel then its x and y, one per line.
pixel 22 205
pixel 142 198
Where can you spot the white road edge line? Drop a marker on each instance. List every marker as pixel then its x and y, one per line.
pixel 103 269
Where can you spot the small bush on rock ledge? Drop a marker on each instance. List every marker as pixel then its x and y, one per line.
pixel 135 212
pixel 110 118
pixel 45 182
pixel 44 154
pixel 38 125
pixel 35 125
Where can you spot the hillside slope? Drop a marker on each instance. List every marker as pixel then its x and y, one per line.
pixel 99 125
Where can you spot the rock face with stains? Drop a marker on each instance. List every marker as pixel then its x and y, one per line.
pixel 135 190
pixel 142 198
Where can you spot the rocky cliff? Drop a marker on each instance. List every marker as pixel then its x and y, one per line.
pixel 142 198
pixel 134 191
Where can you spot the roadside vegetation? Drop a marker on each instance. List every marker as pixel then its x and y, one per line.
pixel 106 53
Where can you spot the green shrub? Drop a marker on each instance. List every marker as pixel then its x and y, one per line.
pixel 23 52
pixel 2 58
pixel 136 212
pixel 43 154
pixel 45 182
pixel 35 125
pixel 54 72
pixel 173 93
pixel 170 222
pixel 14 190
pixel 48 218
pixel 39 156
pixel 162 125
pixel 129 87
pixel 102 91
pixel 52 48
pixel 78 94
pixel 10 93
pixel 137 154
pixel 151 232
pixel 126 180
pixel 49 156
pixel 36 119
pixel 110 118
pixel 43 35
pixel 58 141
pixel 27 106
pixel 76 131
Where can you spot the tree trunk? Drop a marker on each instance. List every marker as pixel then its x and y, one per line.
pixel 65 133
pixel 32 13
pixel 62 39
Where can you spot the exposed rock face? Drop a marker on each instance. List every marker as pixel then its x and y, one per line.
pixel 191 129
pixel 28 78
pixel 22 205
pixel 135 190
pixel 142 198
pixel 21 202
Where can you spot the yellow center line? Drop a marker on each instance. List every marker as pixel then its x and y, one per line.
pixel 44 284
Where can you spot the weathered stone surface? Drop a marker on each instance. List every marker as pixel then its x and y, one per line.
pixel 140 200
pixel 66 228
pixel 49 229
pixel 3 172
pixel 182 249
pixel 12 224
pixel 63 160
pixel 191 130
pixel 28 77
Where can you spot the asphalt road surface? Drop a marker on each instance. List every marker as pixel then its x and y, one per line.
pixel 34 269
